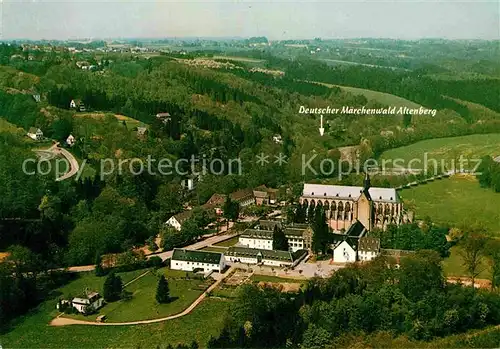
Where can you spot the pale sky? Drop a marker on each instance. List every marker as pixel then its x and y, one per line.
pixel 71 19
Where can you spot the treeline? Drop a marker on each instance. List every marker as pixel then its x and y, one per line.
pixel 421 90
pixel 287 84
pixel 489 173
pixel 411 300
pixel 25 282
pixel 415 237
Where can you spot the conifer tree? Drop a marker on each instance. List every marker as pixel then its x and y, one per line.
pixel 162 291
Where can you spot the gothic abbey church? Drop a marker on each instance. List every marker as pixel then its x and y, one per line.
pixel 345 206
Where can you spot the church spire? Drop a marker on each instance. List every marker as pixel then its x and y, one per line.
pixel 366 184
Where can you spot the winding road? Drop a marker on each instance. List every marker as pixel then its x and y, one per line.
pixel 53 152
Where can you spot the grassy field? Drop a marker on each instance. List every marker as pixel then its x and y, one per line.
pixel 228 242
pixel 240 59
pixel 458 201
pixel 143 305
pixel 32 330
pixel 7 127
pixel 270 278
pixel 130 122
pixel 381 97
pixel 444 150
pixel 214 249
pixel 454 265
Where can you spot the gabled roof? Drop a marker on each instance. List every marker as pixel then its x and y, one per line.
pixel 322 191
pixel 369 244
pixel 267 224
pixel 181 254
pixel 236 251
pixel 350 243
pixel 241 194
pixel 216 199
pixel 258 234
pixel 183 216
pixel 297 232
pixel 163 115
pixel 357 229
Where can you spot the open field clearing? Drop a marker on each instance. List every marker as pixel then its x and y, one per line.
pixel 33 331
pixel 458 201
pixel 130 122
pixel 446 149
pixel 381 97
pixel 143 305
pixel 240 59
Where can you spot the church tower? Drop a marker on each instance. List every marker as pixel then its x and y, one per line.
pixel 365 205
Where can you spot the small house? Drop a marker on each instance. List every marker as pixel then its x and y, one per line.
pixel 35 134
pixel 192 260
pixel 88 303
pixel 343 252
pixel 142 132
pixel 77 104
pixel 243 197
pixel 71 140
pixel 37 98
pixel 177 220
pixel 369 248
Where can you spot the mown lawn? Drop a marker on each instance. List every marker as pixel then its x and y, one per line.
pixel 454 265
pixel 143 305
pixel 214 249
pixel 270 278
pixel 381 97
pixel 33 331
pixel 458 201
pixel 445 150
pixel 229 242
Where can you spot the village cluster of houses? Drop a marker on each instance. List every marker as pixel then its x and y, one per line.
pixel 244 197
pixel 352 213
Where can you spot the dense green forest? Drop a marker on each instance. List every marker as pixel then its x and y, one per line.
pixel 412 300
pixel 215 114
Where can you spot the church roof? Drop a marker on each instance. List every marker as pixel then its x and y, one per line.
pixel 357 229
pixel 323 191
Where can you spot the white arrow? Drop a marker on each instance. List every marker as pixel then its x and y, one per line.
pixel 321 129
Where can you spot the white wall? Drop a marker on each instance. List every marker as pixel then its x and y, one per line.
pixel 367 255
pixel 344 253
pixel 295 244
pixel 264 244
pixel 190 266
pixel 174 223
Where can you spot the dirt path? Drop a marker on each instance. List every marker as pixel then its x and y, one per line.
pixel 62 321
pixel 137 278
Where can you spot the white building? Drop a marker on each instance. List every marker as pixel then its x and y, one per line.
pixel 88 304
pixel 255 238
pixel 35 134
pixel 369 248
pixel 245 255
pixel 343 252
pixel 71 140
pixel 191 260
pixel 298 236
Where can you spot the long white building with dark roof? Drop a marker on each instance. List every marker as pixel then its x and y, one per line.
pixel 373 207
